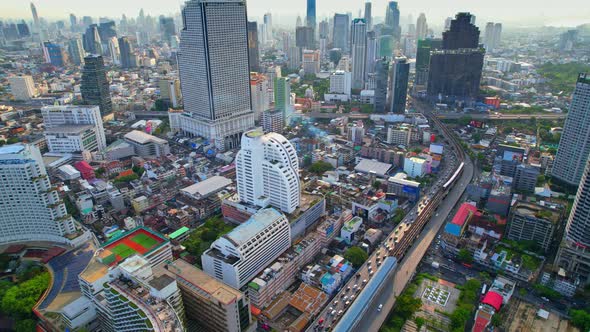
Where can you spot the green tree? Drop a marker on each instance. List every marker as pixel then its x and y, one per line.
pixel 18 301
pixel 356 256
pixel 25 325
pixel 464 120
pixel 376 184
pixel 465 256
pixel 319 167
pixel 580 319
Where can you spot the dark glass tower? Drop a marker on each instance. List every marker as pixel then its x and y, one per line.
pixel 455 70
pixel 253 57
pixel 167 28
pixel 392 19
pixel 341 32
pixel 127 56
pixel 398 80
pixel 423 58
pixel 381 75
pixel 95 87
pixel 311 18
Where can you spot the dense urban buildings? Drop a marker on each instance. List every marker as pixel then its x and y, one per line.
pixel 574 145
pixel 215 83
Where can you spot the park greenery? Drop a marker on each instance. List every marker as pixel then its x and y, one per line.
pixel 580 319
pixel 464 256
pixel 126 178
pixel 562 76
pixel 356 256
pixel 465 305
pixel 202 237
pixel 319 167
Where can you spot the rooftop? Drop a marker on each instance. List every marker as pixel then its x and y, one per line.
pixel 207 187
pixel 465 212
pixel 537 211
pixel 70 129
pixel 138 241
pixel 191 274
pixel 368 165
pixel 257 222
pixel 143 138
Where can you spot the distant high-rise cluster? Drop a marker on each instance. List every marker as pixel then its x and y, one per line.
pixel 492 35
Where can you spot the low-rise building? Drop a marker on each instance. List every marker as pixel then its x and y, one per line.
pixel 146 145
pixel 533 222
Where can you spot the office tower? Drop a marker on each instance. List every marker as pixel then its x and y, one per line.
pixel 267 22
pixel 492 36
pixel 386 45
pixel 55 54
pixel 167 28
pixel 259 90
pixel 76 51
pixel 381 77
pixel 275 181
pixel 497 35
pixel 73 22
pixel 398 81
pixel 423 58
pixel 205 297
pixel 304 37
pixel 358 44
pixel 127 54
pixel 35 18
pixel 73 129
pixel 573 254
pixel 282 96
pixel 448 23
pixel 107 30
pixel 114 51
pixel 455 70
pixel 31 209
pixel 567 40
pixel 95 87
pixel 92 42
pixel 368 16
pixel 341 29
pixel 253 53
pixel 324 29
pixel 421 27
pixel 311 62
pixel 23 30
pixel 371 56
pixel 214 73
pixel 574 145
pixel 237 257
pixel 170 91
pixel 294 58
pixel 392 19
pixel 311 18
pixel 22 87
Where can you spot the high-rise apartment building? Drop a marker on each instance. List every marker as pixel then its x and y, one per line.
pixel 31 209
pixel 237 257
pixel 91 40
pixel 371 56
pixel 76 51
pixel 311 17
pixel 127 55
pixel 423 58
pixel 267 22
pixel 381 77
pixel 574 251
pixel 398 85
pixel 533 222
pixel 95 87
pixel 368 16
pixel 170 91
pixel 341 82
pixel 70 129
pixel 358 44
pixel 311 61
pixel 492 35
pixel 272 121
pixel 213 304
pixel 574 145
pixel 253 56
pixel 455 70
pixel 341 32
pixel 304 37
pixel 55 54
pixel 421 27
pixel 22 87
pixel 114 51
pixel 260 92
pixel 282 96
pixel 294 57
pixel 275 178
pixel 214 72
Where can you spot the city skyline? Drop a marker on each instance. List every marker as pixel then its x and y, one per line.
pixel 524 13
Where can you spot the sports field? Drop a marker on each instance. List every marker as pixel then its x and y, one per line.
pixel 139 241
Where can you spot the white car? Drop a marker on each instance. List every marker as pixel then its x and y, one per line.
pixel 380 307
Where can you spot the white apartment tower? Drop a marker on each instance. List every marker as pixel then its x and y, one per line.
pixel 214 72
pixel 268 171
pixel 340 82
pixel 71 128
pixel 237 257
pixel 358 43
pixel 30 208
pixel 22 87
pixel 260 91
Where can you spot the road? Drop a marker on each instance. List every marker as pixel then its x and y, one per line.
pixel 478 116
pixel 373 319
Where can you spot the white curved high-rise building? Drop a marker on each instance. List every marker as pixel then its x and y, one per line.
pixel 268 171
pixel 30 208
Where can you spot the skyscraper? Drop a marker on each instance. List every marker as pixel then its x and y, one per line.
pixel 35 17
pixel 381 76
pixel 368 16
pixel 311 18
pixel 107 30
pixel 282 95
pixel 455 70
pixel 214 73
pixel 341 29
pixel 167 28
pixel 76 50
pixel 398 81
pixel 73 22
pixel 95 87
pixel 275 179
pixel 371 54
pixel 55 54
pixel 358 44
pixel 574 145
pixel 31 210
pixel 421 27
pixel 492 36
pixel 127 55
pixel 423 58
pixel 267 21
pixel 304 37
pixel 392 19
pixel 253 56
pixel 92 41
pixel 114 51
pixel 573 254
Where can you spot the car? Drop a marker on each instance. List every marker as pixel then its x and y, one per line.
pixel 345 298
pixel 347 303
pixel 336 303
pixel 321 321
pixel 340 312
pixel 380 307
pixel 330 309
pixel 364 281
pixel 352 297
pixel 333 313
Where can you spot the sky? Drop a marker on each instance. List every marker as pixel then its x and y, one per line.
pixel 513 12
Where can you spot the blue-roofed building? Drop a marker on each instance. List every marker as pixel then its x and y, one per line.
pixel 237 257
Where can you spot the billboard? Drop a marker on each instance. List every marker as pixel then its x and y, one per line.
pixel 436 148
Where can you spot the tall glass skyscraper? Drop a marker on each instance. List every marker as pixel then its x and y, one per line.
pixel 341 29
pixel 574 145
pixel 214 72
pixel 358 43
pixel 311 17
pixel 398 80
pixel 95 87
pixel 392 19
pixel 253 56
